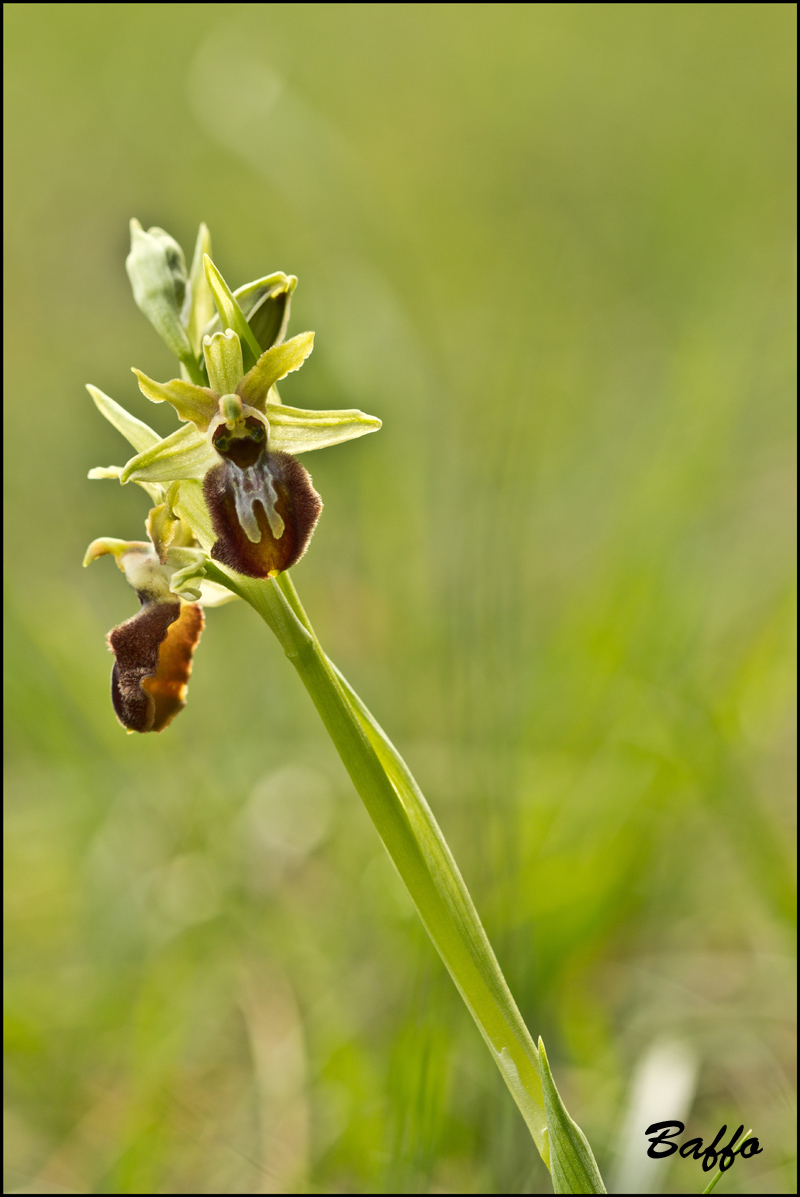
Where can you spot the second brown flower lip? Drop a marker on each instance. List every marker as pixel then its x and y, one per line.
pixel 153 660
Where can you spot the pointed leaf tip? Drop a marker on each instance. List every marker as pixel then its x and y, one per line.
pixel 572 1165
pixel 230 314
pixel 136 432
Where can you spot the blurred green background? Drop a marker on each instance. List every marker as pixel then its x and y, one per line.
pixel 550 246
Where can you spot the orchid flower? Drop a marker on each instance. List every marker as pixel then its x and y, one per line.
pixel 258 506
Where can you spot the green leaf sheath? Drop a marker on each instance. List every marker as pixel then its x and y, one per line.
pixel 572 1165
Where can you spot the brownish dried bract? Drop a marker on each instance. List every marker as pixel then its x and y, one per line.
pixel 297 504
pixel 153 653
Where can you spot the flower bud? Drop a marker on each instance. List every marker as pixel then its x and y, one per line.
pixel 157 272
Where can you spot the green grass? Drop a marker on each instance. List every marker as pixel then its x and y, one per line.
pixel 549 246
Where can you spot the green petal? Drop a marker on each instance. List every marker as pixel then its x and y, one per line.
pixel 265 305
pixel 185 454
pixel 230 314
pixel 272 366
pixel 198 404
pixel 135 431
pixel 293 430
pixel 223 356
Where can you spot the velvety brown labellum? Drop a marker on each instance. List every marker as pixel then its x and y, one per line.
pixel 153 653
pixel 298 505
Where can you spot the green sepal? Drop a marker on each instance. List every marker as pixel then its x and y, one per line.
pixel 272 366
pixel 295 430
pixel 157 272
pixel 265 304
pixel 198 306
pixel 185 454
pixel 572 1166
pixel 230 314
pixel 223 357
pixel 136 432
pixel 155 492
pixel 192 403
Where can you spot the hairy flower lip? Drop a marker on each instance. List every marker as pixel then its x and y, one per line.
pixel 153 653
pixel 262 503
pixel 153 649
pixel 284 518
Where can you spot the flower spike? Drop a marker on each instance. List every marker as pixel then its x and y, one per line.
pixel 251 503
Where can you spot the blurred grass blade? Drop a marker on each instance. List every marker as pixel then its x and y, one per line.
pixel 572 1164
pixel 712 1184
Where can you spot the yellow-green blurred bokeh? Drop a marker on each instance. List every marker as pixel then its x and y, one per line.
pixel 550 246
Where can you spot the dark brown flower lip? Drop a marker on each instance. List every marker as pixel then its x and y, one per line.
pixel 153 660
pixel 297 505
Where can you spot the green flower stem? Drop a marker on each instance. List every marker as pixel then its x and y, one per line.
pixel 416 845
pixel 420 853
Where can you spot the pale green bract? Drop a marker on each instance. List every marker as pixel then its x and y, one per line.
pixel 230 314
